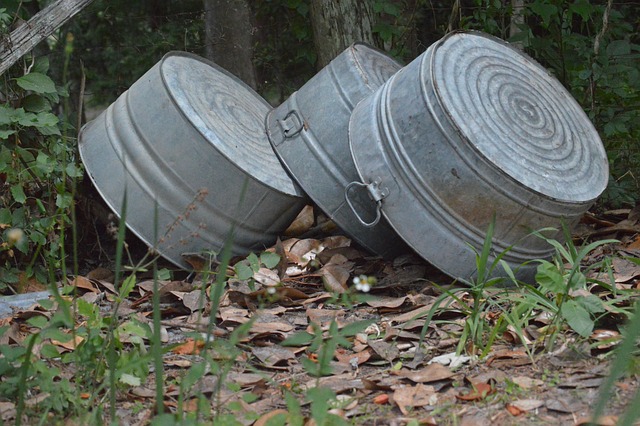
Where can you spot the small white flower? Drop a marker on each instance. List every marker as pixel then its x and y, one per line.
pixel 14 235
pixel 271 290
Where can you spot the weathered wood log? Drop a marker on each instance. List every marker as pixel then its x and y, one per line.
pixel 24 38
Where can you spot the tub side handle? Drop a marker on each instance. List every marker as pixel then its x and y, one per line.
pixel 291 124
pixel 376 192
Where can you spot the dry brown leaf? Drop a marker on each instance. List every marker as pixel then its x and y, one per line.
pixel 323 317
pixel 194 300
pixel 478 392
pixel 267 277
pixel 334 277
pixel 609 338
pixel 83 283
pixel 70 344
pixel 601 421
pixel 431 373
pixel 527 382
pixel 381 399
pixel 411 315
pixel 624 270
pixel 265 418
pixel 386 351
pixel 301 252
pixel 101 274
pixel 349 358
pixel 302 223
pixel 273 355
pixel 387 302
pixel 414 396
pixel 190 347
pixel 526 404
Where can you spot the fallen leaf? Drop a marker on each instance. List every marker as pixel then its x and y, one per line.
pixel 431 373
pixel 273 355
pixel 526 404
pixel 334 277
pixel 386 302
pixel 527 382
pixel 70 344
pixel 451 359
pixel 190 347
pixel 381 399
pixel 609 338
pixel 101 274
pixel 601 421
pixel 564 404
pixel 83 283
pixel 301 252
pixel 479 391
pixel 265 418
pixel 302 223
pixel 386 351
pixel 414 396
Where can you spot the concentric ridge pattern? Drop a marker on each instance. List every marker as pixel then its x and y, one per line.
pixel 229 114
pixel 520 118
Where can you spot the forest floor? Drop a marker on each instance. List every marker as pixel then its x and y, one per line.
pixel 369 359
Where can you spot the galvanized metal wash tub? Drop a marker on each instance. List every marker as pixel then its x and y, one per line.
pixel 309 132
pixel 470 129
pixel 189 138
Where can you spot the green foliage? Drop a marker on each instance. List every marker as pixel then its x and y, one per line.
pixel 564 282
pixel 324 348
pixel 37 166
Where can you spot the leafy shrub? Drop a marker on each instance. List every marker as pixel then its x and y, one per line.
pixel 37 163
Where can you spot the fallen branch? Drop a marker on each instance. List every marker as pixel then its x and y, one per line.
pixel 42 25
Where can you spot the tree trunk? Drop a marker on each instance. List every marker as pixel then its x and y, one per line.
pixel 229 37
pixel 339 23
pixel 517 19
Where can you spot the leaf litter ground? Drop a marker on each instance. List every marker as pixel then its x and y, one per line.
pixel 396 371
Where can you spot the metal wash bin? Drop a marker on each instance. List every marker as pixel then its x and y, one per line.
pixel 309 132
pixel 187 140
pixel 470 129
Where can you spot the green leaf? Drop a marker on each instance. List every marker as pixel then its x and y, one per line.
pixel 64 201
pixel 550 278
pixel 301 338
pixel 130 379
pixel 6 219
pixel 42 65
pixel 127 286
pixel 619 48
pixel 544 10
pixel 37 82
pixel 254 262
pixel 4 134
pixel 269 259
pixel 35 103
pixel 591 303
pixel 73 171
pixel 577 317
pixel 38 322
pixel 582 8
pixel 243 271
pixel 49 351
pixel 6 115
pixel 17 192
pixel 354 328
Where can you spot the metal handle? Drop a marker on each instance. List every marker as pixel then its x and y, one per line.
pixel 291 124
pixel 377 194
